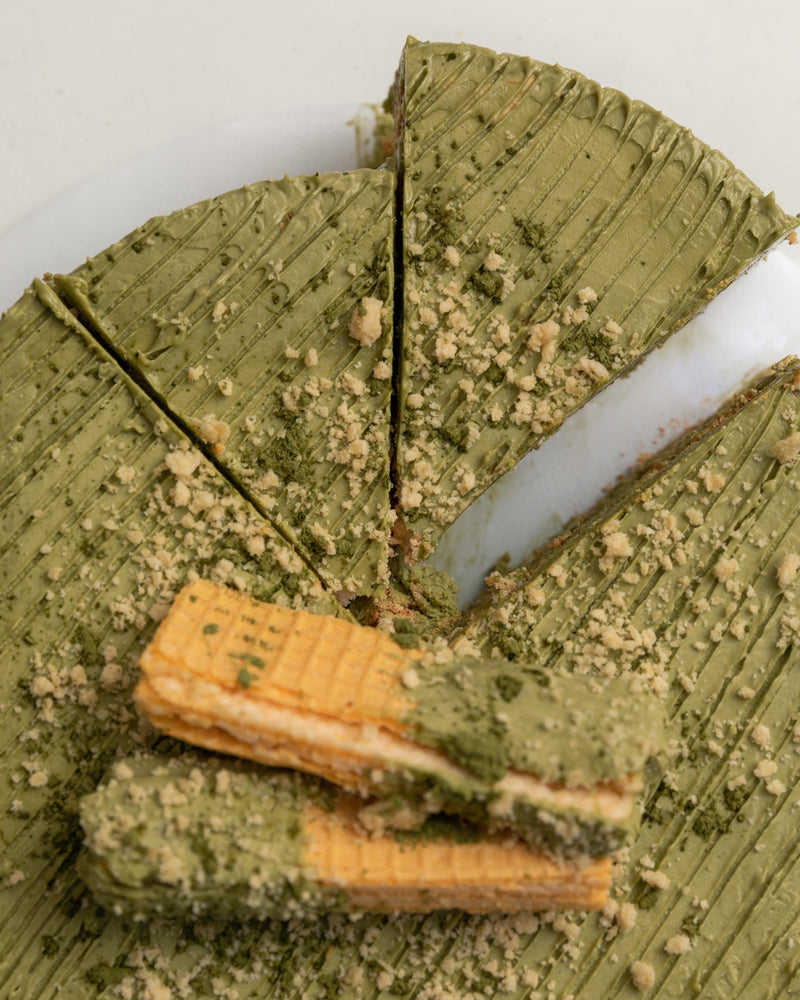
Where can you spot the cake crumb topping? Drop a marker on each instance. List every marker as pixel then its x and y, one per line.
pixel 365 323
pixel 787 449
pixel 679 944
pixel 643 975
pixel 787 570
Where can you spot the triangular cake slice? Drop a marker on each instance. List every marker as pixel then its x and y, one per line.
pixel 106 510
pixel 554 231
pixel 262 320
pixel 689 576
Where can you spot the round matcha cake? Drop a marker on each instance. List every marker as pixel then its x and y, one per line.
pixel 292 390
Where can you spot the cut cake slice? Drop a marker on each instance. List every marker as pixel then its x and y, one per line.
pixel 106 509
pixel 177 836
pixel 689 578
pixel 262 320
pixel 560 760
pixel 553 232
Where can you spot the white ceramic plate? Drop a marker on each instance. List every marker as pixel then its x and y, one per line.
pixel 751 325
pixel 105 207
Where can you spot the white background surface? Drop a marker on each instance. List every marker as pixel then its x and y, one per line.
pixel 111 112
pixel 87 84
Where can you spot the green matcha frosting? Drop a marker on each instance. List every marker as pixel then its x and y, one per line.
pixel 498 720
pixel 554 231
pixel 106 509
pixel 201 834
pixel 114 488
pixel 688 577
pixel 261 319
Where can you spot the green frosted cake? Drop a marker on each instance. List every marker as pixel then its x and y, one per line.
pixel 262 320
pixel 554 231
pixel 218 395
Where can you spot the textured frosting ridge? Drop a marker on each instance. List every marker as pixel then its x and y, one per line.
pixel 105 509
pixel 239 312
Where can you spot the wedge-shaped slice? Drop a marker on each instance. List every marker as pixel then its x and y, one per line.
pixel 689 577
pixel 262 320
pixel 560 760
pixel 553 232
pixel 180 835
pixel 660 572
pixel 105 511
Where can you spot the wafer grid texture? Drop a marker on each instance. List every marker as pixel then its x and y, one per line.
pixel 310 662
pixel 421 876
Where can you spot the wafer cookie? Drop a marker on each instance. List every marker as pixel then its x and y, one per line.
pixel 182 834
pixel 558 759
